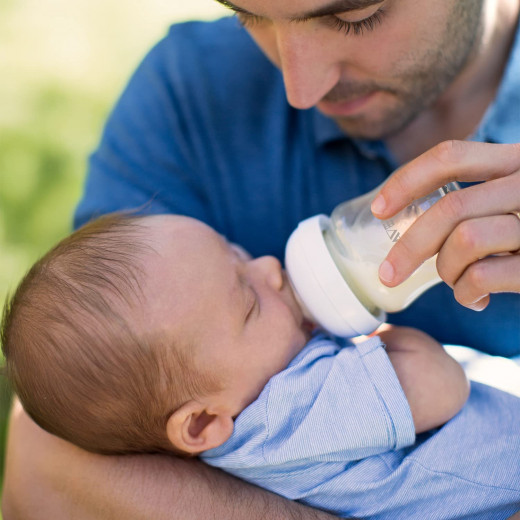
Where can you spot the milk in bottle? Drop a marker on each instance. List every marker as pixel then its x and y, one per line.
pixel 333 265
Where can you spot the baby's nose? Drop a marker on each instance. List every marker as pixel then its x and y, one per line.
pixel 272 270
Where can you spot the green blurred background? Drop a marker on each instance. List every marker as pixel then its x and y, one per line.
pixel 62 65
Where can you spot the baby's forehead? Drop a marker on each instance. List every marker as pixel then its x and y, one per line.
pixel 184 243
pixel 193 267
pixel 167 225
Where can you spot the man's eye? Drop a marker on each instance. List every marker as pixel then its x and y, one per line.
pixel 249 20
pixel 358 27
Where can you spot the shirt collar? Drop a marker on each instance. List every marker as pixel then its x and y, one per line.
pixel 500 124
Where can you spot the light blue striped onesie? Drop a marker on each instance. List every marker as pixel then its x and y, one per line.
pixel 334 430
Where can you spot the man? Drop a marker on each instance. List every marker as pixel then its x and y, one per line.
pixel 204 129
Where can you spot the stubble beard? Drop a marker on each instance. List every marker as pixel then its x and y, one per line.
pixel 418 86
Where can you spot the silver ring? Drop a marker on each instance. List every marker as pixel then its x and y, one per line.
pixel 517 215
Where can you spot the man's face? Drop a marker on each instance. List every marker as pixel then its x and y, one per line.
pixel 371 65
pixel 238 315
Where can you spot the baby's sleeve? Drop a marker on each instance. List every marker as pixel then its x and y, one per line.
pixel 331 404
pixel 341 407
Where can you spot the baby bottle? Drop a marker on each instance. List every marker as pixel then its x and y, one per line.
pixel 333 265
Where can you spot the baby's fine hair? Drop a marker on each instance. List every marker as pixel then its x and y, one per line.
pixel 74 355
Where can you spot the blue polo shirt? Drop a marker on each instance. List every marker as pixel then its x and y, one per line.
pixel 204 129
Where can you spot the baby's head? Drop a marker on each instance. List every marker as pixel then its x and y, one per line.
pixel 144 334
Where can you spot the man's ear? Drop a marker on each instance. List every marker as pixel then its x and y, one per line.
pixel 192 429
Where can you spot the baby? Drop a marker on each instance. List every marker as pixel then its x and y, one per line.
pixel 154 334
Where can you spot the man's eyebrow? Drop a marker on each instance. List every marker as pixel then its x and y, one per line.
pixel 337 6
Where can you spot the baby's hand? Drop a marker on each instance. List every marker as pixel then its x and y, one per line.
pixel 405 339
pixel 434 383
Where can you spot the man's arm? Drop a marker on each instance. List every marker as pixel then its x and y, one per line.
pixel 47 477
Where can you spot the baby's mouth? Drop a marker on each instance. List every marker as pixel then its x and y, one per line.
pixel 308 326
pixel 299 303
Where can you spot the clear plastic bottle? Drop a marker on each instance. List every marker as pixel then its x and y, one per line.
pixel 333 264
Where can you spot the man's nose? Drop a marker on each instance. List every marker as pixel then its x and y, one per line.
pixel 308 60
pixel 270 268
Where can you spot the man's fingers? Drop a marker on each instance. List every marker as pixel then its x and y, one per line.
pixel 429 233
pixel 449 161
pixel 475 239
pixel 490 275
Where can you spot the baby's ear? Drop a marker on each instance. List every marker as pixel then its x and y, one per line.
pixel 191 429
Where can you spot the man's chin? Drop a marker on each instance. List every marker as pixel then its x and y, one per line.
pixel 372 130
pixel 361 128
pixel 378 123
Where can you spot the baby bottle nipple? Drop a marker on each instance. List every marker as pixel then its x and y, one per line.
pixel 333 265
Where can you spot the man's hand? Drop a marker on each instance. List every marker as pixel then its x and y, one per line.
pixel 475 231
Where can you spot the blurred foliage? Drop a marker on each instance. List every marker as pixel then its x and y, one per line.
pixel 41 166
pixel 62 65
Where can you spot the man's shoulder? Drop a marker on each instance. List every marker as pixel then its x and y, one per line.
pixel 215 32
pixel 214 42
pixel 217 63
